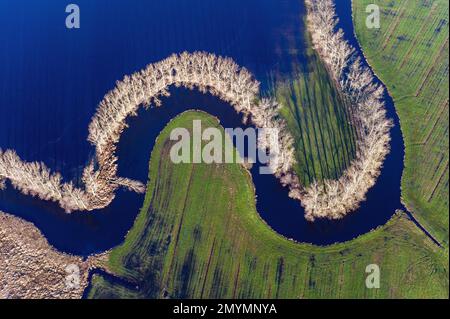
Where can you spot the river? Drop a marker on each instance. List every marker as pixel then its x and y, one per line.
pixel 52 78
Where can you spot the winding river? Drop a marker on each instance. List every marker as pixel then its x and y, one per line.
pixel 52 79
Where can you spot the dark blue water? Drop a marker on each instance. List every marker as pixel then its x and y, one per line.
pixel 52 78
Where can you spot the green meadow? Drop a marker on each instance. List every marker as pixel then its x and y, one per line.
pixel 317 117
pixel 198 235
pixel 410 54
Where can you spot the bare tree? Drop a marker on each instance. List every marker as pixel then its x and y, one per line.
pixel 206 72
pixel 223 78
pixel 335 198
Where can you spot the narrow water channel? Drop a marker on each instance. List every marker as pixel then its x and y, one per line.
pixel 52 79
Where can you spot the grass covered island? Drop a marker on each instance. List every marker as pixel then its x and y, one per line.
pixel 198 235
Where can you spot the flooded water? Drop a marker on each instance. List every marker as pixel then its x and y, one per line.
pixel 52 78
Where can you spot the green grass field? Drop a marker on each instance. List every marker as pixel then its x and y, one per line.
pixel 317 117
pixel 198 235
pixel 410 53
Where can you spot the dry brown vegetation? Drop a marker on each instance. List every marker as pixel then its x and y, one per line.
pixel 31 268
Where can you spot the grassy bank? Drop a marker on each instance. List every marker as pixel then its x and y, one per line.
pixel 198 235
pixel 410 54
pixel 317 116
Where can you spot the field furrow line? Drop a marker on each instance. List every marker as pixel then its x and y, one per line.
pixel 418 35
pixel 393 27
pixel 432 67
pixel 438 182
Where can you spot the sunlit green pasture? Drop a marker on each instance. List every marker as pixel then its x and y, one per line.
pixel 198 235
pixel 410 53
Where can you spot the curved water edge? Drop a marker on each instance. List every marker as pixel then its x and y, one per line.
pixel 203 71
pixel 356 84
pixel 389 98
pixel 82 234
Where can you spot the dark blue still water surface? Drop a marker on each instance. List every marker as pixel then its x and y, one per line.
pixel 52 78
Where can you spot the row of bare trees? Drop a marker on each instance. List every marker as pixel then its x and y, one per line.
pixel 36 179
pixel 334 199
pixel 219 76
pixel 222 77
